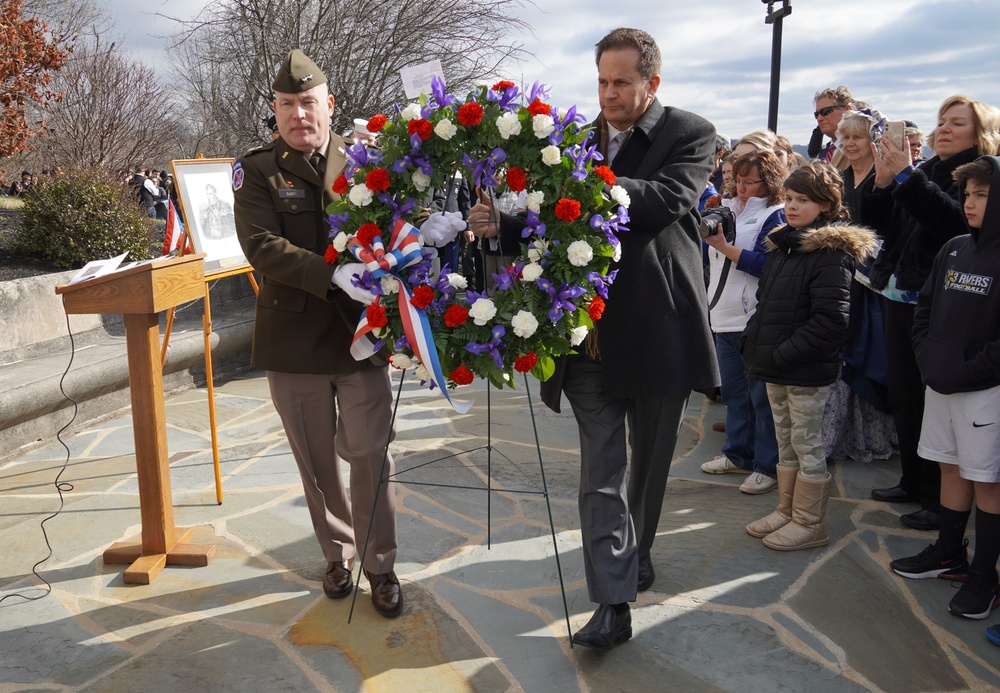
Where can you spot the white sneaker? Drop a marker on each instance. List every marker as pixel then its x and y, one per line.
pixel 758 483
pixel 722 465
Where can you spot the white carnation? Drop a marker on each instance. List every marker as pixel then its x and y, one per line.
pixel 534 200
pixel 340 242
pixel 482 311
pixel 457 281
pixel 390 285
pixel 445 129
pixel 422 373
pixel 401 361
pixel 524 324
pixel 579 253
pixel 619 195
pixel 551 155
pixel 410 112
pixel 360 196
pixel 420 180
pixel 531 272
pixel 577 335
pixel 537 250
pixel 508 125
pixel 542 125
pixel 617 253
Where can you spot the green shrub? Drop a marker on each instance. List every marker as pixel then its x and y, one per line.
pixel 82 215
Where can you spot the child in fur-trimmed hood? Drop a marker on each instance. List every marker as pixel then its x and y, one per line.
pixel 793 343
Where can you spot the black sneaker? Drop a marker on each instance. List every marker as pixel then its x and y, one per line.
pixel 933 563
pixel 977 597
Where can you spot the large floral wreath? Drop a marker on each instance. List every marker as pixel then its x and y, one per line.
pixel 547 299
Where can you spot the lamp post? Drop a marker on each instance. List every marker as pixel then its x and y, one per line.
pixel 774 17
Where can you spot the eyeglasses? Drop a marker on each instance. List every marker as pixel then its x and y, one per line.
pixel 743 181
pixel 826 110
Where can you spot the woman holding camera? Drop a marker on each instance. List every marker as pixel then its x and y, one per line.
pixel 735 264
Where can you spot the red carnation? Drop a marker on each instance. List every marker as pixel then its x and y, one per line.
pixel 331 254
pixel 523 364
pixel 377 180
pixel 340 185
pixel 503 84
pixel 367 233
pixel 421 127
pixel 596 308
pixel 375 313
pixel 461 375
pixel 516 179
pixel 606 173
pixel 376 123
pixel 567 210
pixel 456 315
pixel 422 297
pixel 536 107
pixel 470 114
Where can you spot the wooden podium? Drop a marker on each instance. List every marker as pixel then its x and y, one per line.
pixel 140 292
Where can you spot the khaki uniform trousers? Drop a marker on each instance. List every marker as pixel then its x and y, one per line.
pixel 329 418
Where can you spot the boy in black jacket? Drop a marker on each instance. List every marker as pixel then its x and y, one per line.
pixel 956 334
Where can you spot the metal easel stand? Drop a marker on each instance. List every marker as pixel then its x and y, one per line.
pixel 543 491
pixel 206 327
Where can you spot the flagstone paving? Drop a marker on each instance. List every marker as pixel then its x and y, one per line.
pixel 484 610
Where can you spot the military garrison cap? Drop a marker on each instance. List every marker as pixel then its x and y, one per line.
pixel 297 74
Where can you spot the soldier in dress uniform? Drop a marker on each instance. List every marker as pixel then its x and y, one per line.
pixel 332 407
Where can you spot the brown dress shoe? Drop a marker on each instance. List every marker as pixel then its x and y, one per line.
pixel 387 598
pixel 337 581
pixel 719 426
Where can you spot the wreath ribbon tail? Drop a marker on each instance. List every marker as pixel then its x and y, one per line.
pixel 417 329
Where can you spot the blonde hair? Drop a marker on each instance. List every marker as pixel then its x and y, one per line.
pixel 985 118
pixel 763 140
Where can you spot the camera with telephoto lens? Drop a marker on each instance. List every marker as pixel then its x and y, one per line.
pixel 711 218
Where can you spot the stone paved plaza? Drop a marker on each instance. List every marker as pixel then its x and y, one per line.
pixel 484 611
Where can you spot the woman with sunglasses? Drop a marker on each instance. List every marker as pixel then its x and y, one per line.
pixel 734 266
pixel 916 210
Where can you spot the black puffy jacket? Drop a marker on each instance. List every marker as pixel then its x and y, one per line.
pixel 794 337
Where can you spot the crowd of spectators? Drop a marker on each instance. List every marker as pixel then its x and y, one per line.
pixel 902 383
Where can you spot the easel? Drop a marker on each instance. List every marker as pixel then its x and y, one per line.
pixel 206 327
pixel 139 293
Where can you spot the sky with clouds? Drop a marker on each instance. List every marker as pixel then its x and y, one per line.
pixel 902 56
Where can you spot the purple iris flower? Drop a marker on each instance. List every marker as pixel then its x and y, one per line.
pixel 484 171
pixel 562 121
pixel 441 97
pixel 538 91
pixel 533 225
pixel 493 346
pixel 472 296
pixel 402 344
pixel 505 280
pixel 398 210
pixel 337 222
pixel 600 283
pixel 581 154
pixel 506 98
pixel 414 158
pixel 560 297
pixel 359 155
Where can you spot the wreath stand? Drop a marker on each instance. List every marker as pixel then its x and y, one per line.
pixel 206 327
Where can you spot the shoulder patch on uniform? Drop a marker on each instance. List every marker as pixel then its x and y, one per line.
pixel 237 175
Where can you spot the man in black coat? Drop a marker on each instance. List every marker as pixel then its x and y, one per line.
pixel 653 345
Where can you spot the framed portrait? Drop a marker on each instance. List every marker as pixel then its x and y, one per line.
pixel 205 193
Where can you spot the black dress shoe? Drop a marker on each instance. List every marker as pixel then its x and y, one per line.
pixel 922 519
pixel 646 573
pixel 337 581
pixel 605 629
pixel 896 494
pixel 387 598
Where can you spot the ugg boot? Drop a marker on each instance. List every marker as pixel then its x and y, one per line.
pixel 807 528
pixel 782 515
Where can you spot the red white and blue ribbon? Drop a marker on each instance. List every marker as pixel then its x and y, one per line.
pixel 404 250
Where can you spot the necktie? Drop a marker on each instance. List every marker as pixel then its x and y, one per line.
pixel 615 145
pixel 317 160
